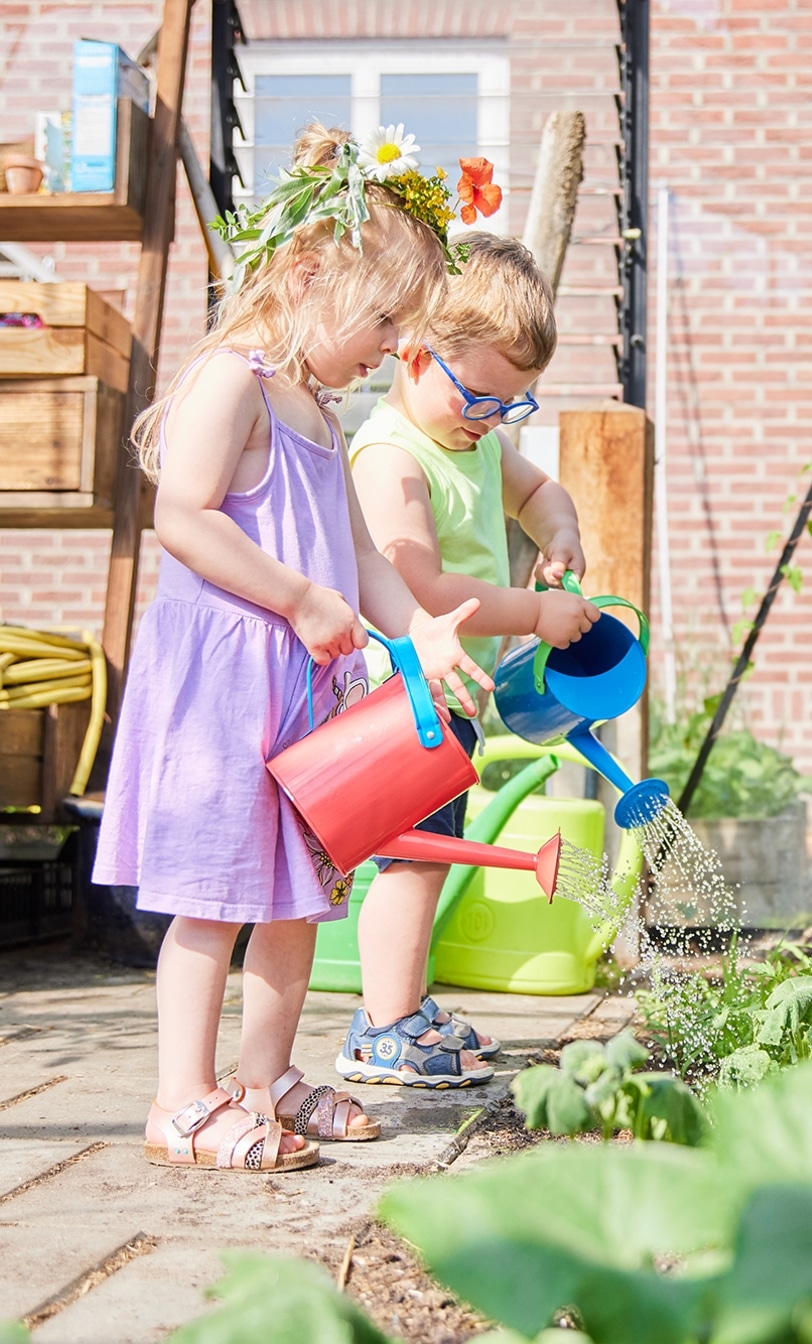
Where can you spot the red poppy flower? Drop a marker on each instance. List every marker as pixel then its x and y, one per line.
pixel 477 190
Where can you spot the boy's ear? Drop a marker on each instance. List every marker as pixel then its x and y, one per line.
pixel 416 358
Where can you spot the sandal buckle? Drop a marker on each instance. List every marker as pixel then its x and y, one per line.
pixel 190 1118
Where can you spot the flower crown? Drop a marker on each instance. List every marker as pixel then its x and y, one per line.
pixel 338 192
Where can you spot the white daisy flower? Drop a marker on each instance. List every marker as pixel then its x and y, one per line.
pixel 387 153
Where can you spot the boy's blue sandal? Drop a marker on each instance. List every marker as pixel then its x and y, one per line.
pixel 378 1054
pixel 457 1026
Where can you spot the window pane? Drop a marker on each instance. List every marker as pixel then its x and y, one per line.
pixel 440 110
pixel 283 104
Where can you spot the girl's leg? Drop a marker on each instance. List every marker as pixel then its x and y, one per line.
pixel 192 970
pixel 394 933
pixel 276 971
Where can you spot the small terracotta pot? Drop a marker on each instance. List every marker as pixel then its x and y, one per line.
pixel 23 174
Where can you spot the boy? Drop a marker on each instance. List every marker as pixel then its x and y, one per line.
pixel 436 474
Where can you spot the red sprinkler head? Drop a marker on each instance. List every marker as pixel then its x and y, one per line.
pixel 547 861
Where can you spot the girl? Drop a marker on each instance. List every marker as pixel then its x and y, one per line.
pixel 266 563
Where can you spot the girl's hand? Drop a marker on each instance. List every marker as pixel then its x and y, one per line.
pixel 561 553
pixel 563 618
pixel 326 624
pixel 438 647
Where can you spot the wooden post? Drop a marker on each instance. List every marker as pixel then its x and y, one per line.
pixel 607 465
pixel 159 214
pixel 547 233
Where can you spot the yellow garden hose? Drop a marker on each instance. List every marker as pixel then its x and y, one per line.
pixel 40 668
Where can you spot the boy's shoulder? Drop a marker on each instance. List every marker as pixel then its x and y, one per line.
pixel 384 424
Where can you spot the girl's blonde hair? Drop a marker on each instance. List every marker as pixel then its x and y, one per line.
pixel 501 299
pixel 399 272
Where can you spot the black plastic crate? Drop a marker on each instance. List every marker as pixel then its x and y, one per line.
pixel 36 900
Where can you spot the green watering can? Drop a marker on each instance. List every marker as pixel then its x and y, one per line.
pixel 457 945
pixel 495 935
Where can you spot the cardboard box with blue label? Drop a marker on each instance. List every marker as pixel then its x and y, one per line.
pixel 102 73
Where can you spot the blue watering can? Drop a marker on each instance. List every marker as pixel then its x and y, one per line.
pixel 545 694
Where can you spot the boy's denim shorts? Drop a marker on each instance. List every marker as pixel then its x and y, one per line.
pixel 450 819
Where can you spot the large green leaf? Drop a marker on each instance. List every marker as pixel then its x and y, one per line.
pixel 552 1099
pixel 571 1225
pixel 764 1136
pixel 659 1106
pixel 13 1332
pixel 772 1270
pixel 294 1295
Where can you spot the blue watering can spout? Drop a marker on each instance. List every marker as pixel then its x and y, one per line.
pixel 638 803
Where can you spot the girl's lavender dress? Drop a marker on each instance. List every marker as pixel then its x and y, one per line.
pixel 216 687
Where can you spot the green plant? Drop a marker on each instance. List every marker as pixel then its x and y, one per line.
pixel 13 1332
pixel 644 1243
pixel 596 1087
pixel 757 1017
pixel 742 777
pixel 295 1295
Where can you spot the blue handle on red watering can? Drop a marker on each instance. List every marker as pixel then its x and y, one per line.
pixel 405 661
pixel 572 584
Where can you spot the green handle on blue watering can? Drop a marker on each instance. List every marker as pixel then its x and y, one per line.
pixel 405 661
pixel 572 584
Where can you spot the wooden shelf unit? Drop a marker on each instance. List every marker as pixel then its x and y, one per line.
pixel 88 216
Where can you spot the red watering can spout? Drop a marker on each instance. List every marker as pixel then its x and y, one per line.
pixel 429 848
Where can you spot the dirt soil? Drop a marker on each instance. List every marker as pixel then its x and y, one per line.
pixel 385 1276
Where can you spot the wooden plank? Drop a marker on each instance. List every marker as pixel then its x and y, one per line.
pixel 58 435
pixel 20 780
pixel 45 352
pixel 40 439
pixel 21 732
pixel 68 303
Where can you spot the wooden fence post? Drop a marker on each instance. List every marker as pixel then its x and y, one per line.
pixel 607 465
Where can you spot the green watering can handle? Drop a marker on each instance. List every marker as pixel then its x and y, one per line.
pixel 572 584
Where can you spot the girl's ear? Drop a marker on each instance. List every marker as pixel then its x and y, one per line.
pixel 416 359
pixel 302 273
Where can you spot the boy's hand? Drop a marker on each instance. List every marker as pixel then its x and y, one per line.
pixel 438 647
pixel 563 618
pixel 561 553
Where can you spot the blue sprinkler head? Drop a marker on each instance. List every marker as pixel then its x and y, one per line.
pixel 641 803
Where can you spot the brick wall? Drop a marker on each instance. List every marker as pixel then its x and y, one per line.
pixel 730 91
pixel 731 105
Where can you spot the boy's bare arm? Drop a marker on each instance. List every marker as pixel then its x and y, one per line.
pixel 545 511
pixel 394 496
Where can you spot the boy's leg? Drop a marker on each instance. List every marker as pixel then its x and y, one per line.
pixel 276 971
pixel 394 934
pixel 191 980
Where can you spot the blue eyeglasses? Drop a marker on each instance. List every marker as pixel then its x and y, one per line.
pixel 482 408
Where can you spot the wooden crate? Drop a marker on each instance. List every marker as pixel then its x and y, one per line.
pixel 39 752
pixel 81 334
pixel 60 439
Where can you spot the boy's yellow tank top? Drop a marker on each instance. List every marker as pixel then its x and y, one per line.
pixel 466 499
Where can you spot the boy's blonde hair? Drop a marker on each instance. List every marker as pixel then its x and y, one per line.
pixel 501 299
pixel 400 272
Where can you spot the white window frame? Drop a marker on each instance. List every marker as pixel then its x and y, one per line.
pixel 365 63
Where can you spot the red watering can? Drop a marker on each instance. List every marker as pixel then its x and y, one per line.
pixel 363 779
